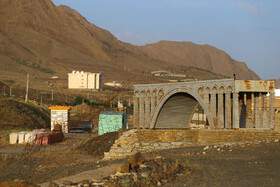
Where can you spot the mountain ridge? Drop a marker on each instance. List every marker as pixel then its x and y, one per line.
pixel 41 34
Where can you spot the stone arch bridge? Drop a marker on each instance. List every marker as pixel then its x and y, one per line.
pixel 227 103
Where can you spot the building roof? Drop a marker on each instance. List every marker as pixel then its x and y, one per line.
pixel 111 113
pixel 59 108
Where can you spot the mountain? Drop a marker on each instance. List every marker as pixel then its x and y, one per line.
pixel 43 39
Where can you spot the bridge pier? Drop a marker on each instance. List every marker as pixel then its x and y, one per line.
pixel 141 112
pixel 228 107
pixel 271 109
pixel 147 111
pixel 256 110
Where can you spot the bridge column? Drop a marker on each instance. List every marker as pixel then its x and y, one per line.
pixel 213 105
pixel 213 108
pixel 142 114
pixel 235 110
pixel 242 110
pixel 153 104
pixel 264 111
pixel 228 110
pixel 220 110
pixel 147 111
pixel 271 109
pixel 249 109
pixel 256 110
pixel 136 112
pixel 206 100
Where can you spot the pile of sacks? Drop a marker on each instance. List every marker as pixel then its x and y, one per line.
pixel 38 137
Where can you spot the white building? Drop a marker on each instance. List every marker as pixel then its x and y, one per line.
pixel 84 80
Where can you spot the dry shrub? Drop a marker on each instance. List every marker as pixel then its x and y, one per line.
pixel 169 170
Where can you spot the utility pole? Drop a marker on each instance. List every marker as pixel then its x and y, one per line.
pixel 10 91
pixel 27 85
pixel 52 95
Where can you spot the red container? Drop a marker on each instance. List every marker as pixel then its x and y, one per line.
pixel 49 138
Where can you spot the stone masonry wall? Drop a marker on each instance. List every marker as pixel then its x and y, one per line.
pixel 133 141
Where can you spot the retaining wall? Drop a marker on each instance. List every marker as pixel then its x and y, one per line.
pixel 133 141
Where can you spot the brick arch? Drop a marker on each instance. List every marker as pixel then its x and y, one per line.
pixel 229 89
pixel 149 93
pixel 160 94
pixel 200 91
pixel 181 97
pixel 222 90
pixel 137 92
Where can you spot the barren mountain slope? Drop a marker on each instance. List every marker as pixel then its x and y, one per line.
pixel 202 56
pixel 43 39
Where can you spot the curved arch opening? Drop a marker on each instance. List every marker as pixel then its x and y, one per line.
pixel 176 112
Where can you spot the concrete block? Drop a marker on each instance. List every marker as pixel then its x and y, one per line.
pixel 21 137
pixel 30 137
pixel 13 138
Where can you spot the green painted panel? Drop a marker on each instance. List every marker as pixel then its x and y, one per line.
pixel 111 123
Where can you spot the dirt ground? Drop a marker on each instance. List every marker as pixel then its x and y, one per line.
pixel 245 164
pixel 240 164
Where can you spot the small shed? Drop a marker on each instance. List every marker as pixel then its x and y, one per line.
pixel 110 121
pixel 60 118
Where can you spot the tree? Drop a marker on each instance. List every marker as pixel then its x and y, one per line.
pixel 78 100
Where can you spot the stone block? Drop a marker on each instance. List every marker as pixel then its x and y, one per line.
pixel 13 138
pixel 164 144
pixel 177 143
pixel 120 150
pixel 107 154
pixel 146 144
pixel 123 169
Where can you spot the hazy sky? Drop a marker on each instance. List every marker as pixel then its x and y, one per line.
pixel 248 30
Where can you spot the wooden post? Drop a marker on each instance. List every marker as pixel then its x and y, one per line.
pixel 52 95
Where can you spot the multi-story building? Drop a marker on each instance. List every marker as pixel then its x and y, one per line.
pixel 84 80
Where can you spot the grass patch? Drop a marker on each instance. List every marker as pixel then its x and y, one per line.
pixel 35 65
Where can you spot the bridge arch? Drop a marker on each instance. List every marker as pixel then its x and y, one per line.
pixel 177 107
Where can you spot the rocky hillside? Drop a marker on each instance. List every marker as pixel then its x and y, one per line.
pixel 20 115
pixel 43 39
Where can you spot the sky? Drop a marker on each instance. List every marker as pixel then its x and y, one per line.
pixel 248 30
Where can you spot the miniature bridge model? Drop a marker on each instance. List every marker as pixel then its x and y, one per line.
pixel 227 103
